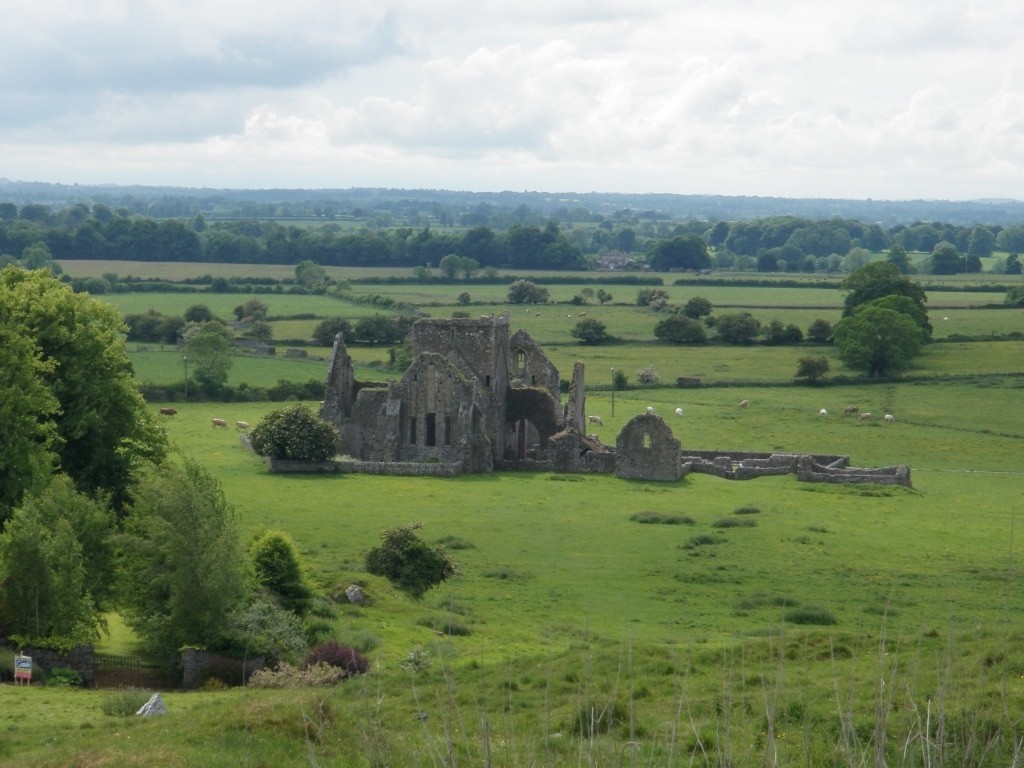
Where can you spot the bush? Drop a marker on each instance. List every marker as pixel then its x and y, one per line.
pixel 810 615
pixel 648 377
pixel 747 509
pixel 408 562
pixel 658 518
pixel 64 677
pixel 337 655
pixel 294 433
pixel 284 675
pixel 732 522
pixel 590 331
pixel 125 702
pixel 444 625
pixel 702 541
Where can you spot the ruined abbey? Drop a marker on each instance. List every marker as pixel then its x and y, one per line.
pixel 477 398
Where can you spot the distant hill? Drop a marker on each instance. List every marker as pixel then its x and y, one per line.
pixel 270 203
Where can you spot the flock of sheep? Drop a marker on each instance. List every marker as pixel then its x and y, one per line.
pixel 850 410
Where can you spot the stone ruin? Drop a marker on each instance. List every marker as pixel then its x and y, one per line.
pixel 477 398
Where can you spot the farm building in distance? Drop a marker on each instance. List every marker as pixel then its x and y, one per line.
pixel 477 397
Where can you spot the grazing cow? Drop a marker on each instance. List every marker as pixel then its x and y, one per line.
pixel 864 417
pixel 890 419
pixel 679 411
pixel 219 423
pixel 744 403
pixel 650 410
pixel 168 411
pixel 850 409
pixel 823 412
pixel 241 426
pixel 595 420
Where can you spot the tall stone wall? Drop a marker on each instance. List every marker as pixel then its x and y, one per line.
pixel 646 449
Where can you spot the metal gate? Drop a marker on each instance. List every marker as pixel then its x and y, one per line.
pixel 136 672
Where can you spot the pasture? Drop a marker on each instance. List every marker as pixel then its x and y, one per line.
pixel 775 622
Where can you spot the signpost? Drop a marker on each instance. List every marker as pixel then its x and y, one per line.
pixel 23 670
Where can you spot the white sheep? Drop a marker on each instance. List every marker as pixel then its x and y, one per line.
pixel 679 411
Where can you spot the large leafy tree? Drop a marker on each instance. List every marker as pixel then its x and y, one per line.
pixel 181 562
pixel 527 292
pixel 56 564
pixel 72 353
pixel 877 340
pixel 683 252
pixel 27 409
pixel 878 279
pixel 678 328
pixel 737 328
pixel 210 349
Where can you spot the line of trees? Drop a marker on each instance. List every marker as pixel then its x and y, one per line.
pixel 771 244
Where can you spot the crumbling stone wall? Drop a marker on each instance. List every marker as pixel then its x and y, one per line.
pixel 811 472
pixel 646 449
pixel 530 367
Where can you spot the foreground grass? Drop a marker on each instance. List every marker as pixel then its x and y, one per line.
pixel 808 698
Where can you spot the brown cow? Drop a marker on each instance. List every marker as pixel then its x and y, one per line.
pixel 168 411
pixel 241 426
pixel 850 409
pixel 744 403
pixel 219 423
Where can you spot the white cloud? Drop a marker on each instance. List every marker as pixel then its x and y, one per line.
pixel 806 98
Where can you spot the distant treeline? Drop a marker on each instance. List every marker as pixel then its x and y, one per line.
pixel 780 243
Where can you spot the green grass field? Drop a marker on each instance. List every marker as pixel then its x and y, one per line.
pixel 583 637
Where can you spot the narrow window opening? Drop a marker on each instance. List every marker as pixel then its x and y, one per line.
pixel 431 430
pixel 647 439
pixel 487 381
pixel 447 430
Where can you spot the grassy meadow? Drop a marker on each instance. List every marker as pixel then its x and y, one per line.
pixel 765 622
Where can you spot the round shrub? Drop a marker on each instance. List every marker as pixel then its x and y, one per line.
pixel 340 656
pixel 294 433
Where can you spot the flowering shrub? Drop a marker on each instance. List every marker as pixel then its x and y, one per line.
pixel 337 655
pixel 284 675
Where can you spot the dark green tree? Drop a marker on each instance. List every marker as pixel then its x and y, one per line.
pixel 878 341
pixel 73 347
pixel 589 330
pixel 812 369
pixel 686 252
pixel 408 562
pixel 737 328
pixel 294 433
pixel 181 562
pixel 527 292
pixel 603 296
pixel 677 328
pixel 330 327
pixel 946 260
pixel 697 307
pixel 278 569
pixel 981 243
pixel 310 275
pixel 898 258
pixel 211 351
pixel 875 280
pixel 46 592
pixel 820 331
pixel 199 313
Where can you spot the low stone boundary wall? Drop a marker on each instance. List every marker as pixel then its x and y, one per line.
pixel 810 472
pixel 398 468
pixel 81 658
pixel 199 666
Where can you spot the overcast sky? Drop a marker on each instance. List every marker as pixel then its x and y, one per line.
pixel 893 99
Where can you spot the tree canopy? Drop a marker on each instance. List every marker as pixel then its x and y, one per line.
pixel 877 340
pixel 182 567
pixel 73 367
